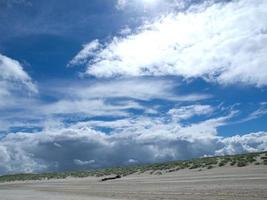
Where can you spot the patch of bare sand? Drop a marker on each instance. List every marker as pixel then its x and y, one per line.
pixel 233 183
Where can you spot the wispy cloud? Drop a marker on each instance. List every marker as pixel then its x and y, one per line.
pixel 87 52
pixel 12 71
pixel 187 112
pixel 261 111
pixel 134 88
pixel 13 81
pixel 101 98
pixel 89 107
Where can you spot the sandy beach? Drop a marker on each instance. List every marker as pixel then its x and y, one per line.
pixel 233 183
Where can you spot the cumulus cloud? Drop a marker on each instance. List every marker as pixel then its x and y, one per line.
pixel 237 144
pixel 81 147
pixel 220 42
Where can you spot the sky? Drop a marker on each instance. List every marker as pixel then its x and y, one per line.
pixel 104 83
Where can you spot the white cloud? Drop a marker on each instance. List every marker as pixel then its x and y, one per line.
pixel 12 72
pixel 221 42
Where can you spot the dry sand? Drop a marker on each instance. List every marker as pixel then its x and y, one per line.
pixel 246 183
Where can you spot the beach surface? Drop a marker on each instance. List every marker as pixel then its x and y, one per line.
pixel 235 183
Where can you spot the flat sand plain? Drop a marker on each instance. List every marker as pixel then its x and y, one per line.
pixel 235 183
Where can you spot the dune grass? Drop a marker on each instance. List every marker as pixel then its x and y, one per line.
pixel 157 168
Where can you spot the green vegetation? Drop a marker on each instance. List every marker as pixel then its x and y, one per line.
pixel 233 163
pixel 155 169
pixel 241 163
pixel 221 164
pixel 210 167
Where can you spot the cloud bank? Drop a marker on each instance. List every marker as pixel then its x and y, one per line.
pixel 141 140
pixel 134 139
pixel 219 42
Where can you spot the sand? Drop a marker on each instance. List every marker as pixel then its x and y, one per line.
pixel 246 183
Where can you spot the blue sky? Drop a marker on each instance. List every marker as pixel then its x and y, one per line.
pixel 89 84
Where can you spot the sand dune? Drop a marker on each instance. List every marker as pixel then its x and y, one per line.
pixel 235 183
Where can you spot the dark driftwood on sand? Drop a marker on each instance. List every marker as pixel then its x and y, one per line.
pixel 111 178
